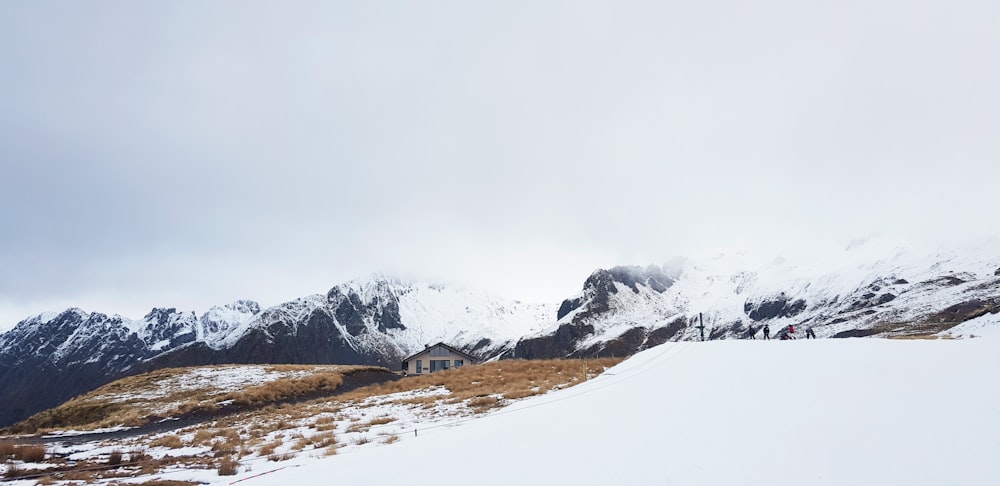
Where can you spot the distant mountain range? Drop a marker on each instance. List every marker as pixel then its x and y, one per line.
pixel 49 358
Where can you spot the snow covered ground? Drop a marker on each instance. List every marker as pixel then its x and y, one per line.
pixel 852 412
pixel 844 411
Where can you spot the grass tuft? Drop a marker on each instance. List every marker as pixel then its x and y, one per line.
pixel 168 441
pixel 115 458
pixel 228 466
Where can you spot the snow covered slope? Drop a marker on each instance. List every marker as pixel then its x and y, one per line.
pixel 839 412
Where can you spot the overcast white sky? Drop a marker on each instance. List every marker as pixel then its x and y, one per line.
pixel 189 153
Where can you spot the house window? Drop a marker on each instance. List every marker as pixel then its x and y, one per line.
pixel 439 351
pixel 420 366
pixel 458 363
pixel 439 364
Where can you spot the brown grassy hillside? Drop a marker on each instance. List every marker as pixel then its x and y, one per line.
pixel 138 400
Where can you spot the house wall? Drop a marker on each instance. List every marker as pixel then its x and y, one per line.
pixel 425 357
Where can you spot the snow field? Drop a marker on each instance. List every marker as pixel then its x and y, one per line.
pixel 849 412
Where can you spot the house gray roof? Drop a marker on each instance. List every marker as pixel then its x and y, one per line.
pixel 443 345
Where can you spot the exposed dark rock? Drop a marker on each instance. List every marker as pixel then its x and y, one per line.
pixel 946 281
pixel 316 341
pixel 997 272
pixel 624 345
pixel 852 333
pixel 568 305
pixel 884 298
pixel 478 347
pixel 965 311
pixel 780 306
pixel 552 346
pixel 663 334
pixel 901 281
pixel 388 317
pixel 348 312
pixel 632 341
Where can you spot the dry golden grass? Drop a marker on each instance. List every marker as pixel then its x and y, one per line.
pixel 519 394
pixel 168 441
pixel 202 437
pixel 514 377
pixel 226 446
pixel 484 404
pixel 328 378
pixel 45 481
pixel 930 337
pixel 138 454
pixel 268 449
pixel 381 420
pixel 480 388
pixel 280 457
pixel 27 453
pixel 228 466
pixel 301 444
pixel 167 482
pixel 327 419
pixel 7 449
pixel 421 400
pixel 115 458
pixel 110 404
pixel 326 439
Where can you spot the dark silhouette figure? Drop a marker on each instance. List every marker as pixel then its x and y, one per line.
pixel 767 332
pixel 751 332
pixel 810 334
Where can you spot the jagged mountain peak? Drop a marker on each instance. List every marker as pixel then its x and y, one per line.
pixel 657 278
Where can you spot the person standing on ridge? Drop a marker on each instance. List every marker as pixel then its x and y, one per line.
pixel 810 334
pixel 767 332
pixel 750 332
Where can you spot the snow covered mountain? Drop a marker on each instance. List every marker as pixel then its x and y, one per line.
pixel 871 289
pixel 373 321
pixel 48 358
pixel 868 289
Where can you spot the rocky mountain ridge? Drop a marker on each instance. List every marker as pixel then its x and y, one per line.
pixel 373 321
pixel 867 291
pixel 48 358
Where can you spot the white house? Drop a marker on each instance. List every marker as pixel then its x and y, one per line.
pixel 436 357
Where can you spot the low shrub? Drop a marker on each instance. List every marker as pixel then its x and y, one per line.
pixel 115 458
pixel 268 449
pixel 30 453
pixel 483 404
pixel 228 466
pixel 280 457
pixel 138 454
pixel 168 441
pixel 7 449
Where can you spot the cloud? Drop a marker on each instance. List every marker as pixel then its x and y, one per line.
pixel 184 154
